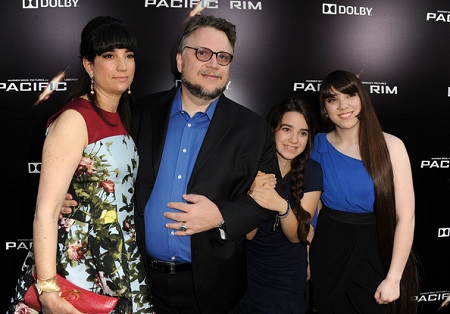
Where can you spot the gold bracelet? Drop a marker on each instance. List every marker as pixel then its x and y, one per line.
pixel 47 285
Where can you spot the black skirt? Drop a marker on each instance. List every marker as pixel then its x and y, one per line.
pixel 345 263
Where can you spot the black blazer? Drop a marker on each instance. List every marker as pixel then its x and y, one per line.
pixel 237 144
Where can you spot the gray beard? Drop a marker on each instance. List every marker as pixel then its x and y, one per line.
pixel 199 92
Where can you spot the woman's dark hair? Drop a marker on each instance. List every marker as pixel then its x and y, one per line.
pixel 103 34
pixel 298 163
pixel 376 159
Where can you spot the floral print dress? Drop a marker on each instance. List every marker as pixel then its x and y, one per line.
pixel 96 243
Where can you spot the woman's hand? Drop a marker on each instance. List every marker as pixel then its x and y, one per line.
pixel 52 303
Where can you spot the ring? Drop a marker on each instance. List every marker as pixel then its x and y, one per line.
pixel 183 226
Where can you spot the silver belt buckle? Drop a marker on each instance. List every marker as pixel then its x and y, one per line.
pixel 172 268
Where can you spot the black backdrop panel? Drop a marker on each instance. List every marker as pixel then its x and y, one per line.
pixel 284 48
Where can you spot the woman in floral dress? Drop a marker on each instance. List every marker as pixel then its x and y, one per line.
pixel 88 149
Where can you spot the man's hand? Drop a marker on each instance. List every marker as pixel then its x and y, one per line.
pixel 197 215
pixel 263 179
pixel 263 192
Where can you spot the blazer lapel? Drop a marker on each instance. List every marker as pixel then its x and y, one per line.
pixel 219 127
pixel 160 126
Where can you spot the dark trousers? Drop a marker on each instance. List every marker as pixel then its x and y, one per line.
pixel 174 293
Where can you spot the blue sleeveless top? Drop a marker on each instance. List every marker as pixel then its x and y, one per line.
pixel 346 182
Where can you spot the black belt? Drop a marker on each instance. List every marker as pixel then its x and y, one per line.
pixel 168 267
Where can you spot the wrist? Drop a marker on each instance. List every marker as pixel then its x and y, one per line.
pixel 47 285
pixel 288 209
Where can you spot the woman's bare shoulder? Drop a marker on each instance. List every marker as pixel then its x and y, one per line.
pixel 395 146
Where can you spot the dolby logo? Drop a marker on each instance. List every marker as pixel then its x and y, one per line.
pixel 36 4
pixel 337 9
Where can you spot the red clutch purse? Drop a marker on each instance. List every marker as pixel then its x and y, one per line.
pixel 83 300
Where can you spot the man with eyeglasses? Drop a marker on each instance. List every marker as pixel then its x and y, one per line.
pixel 199 153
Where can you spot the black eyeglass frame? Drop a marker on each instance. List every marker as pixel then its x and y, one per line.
pixel 212 53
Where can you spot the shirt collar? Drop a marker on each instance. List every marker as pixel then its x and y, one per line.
pixel 177 105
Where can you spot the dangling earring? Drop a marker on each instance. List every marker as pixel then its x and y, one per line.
pixel 129 90
pixel 92 86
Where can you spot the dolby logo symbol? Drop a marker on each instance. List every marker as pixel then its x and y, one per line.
pixel 329 8
pixel 443 232
pixel 34 167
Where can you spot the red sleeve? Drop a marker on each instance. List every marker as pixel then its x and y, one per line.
pixel 97 127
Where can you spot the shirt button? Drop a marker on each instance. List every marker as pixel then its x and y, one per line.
pixel 179 176
pixel 189 125
pixel 173 258
pixel 172 232
pixel 184 150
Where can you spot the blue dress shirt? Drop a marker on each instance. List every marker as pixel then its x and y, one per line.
pixel 183 142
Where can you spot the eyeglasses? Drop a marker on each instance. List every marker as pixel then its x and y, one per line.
pixel 205 54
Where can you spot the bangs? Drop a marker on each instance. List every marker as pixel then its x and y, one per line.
pixel 340 84
pixel 112 37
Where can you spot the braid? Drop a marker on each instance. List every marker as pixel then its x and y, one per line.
pixel 297 191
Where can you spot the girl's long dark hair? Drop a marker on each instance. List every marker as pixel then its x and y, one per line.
pixel 376 159
pixel 103 34
pixel 298 163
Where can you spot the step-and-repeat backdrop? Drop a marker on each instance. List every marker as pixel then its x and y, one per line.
pixel 284 48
